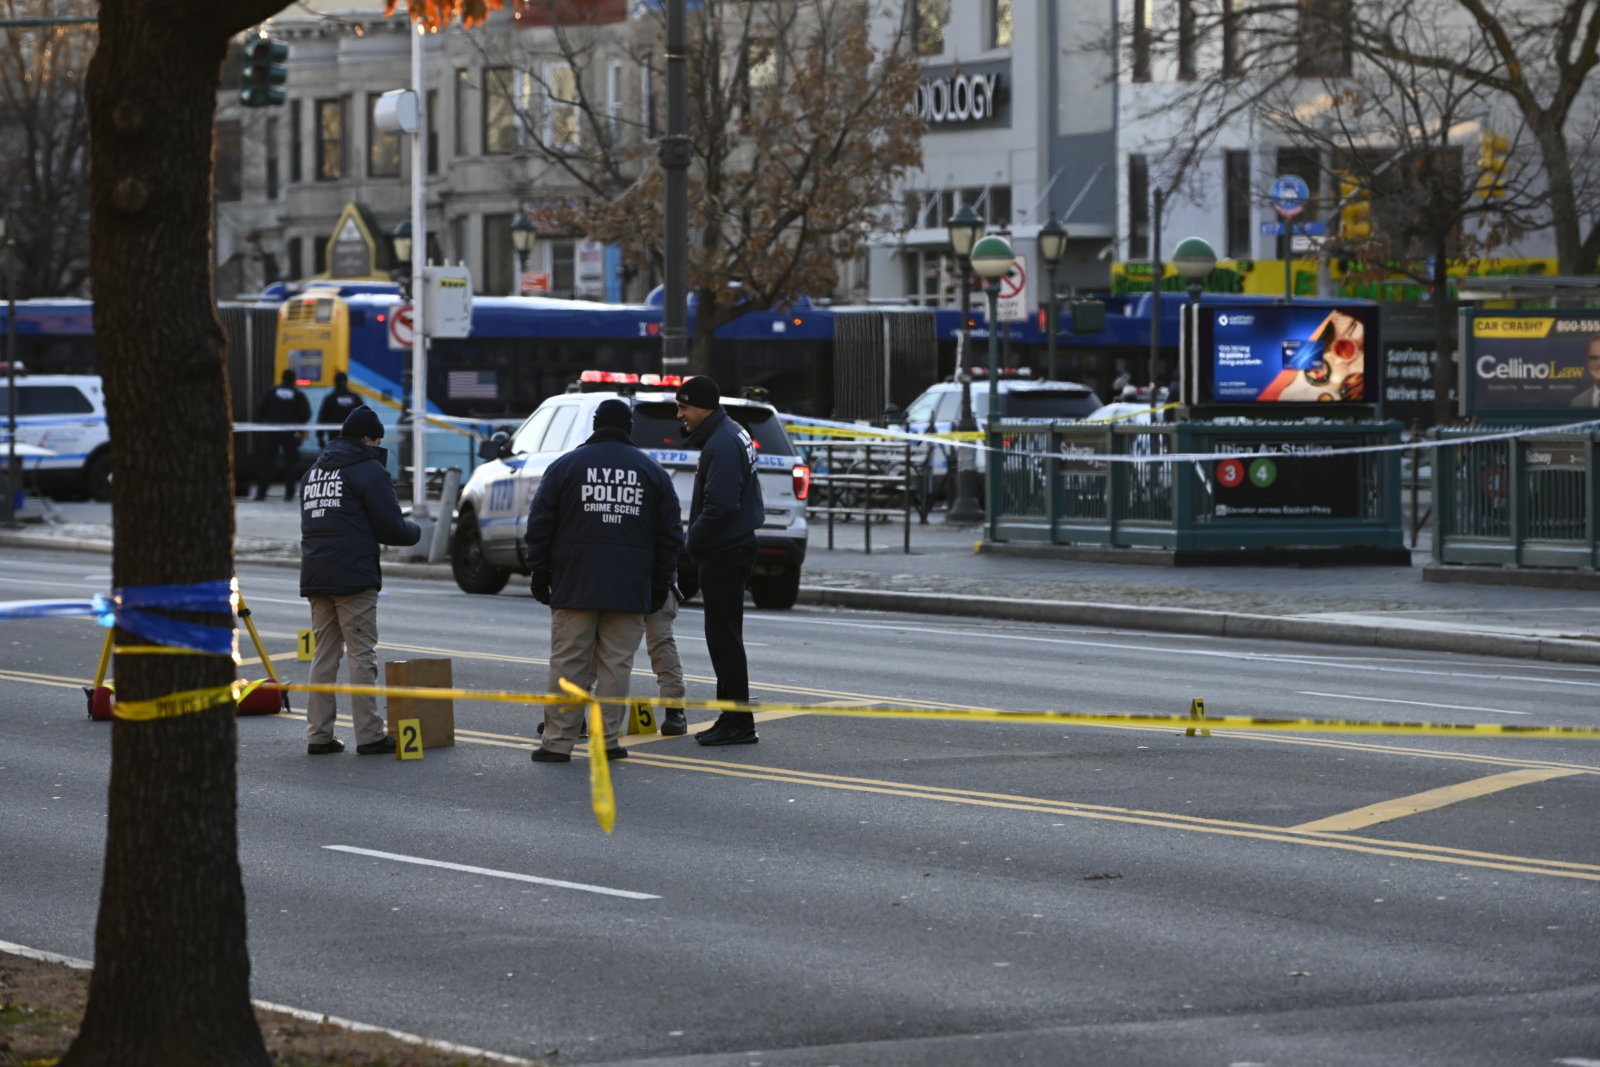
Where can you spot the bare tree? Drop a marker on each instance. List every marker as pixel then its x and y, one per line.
pixel 1395 145
pixel 800 125
pixel 1526 66
pixel 44 148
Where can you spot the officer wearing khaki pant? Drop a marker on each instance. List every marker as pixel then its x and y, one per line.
pixel 603 538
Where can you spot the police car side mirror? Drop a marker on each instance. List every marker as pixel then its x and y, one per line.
pixel 496 447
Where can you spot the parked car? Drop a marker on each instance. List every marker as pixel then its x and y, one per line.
pixel 66 414
pixel 486 545
pixel 938 410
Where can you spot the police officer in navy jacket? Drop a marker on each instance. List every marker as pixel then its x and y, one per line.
pixel 348 508
pixel 603 539
pixel 724 514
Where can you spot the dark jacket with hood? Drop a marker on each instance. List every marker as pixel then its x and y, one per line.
pixel 283 403
pixel 347 509
pixel 726 509
pixel 604 525
pixel 336 407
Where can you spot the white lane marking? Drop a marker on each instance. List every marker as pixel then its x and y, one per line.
pixel 1342 661
pixel 1412 703
pixel 1574 1061
pixel 488 873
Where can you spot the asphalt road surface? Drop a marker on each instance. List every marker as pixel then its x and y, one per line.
pixel 886 891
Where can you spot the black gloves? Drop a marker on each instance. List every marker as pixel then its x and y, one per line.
pixel 658 595
pixel 539 583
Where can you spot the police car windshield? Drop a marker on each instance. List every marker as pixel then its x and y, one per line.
pixel 656 425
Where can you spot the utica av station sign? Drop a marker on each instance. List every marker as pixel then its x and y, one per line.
pixel 960 97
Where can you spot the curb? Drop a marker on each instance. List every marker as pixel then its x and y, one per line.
pixel 1210 623
pixel 1234 624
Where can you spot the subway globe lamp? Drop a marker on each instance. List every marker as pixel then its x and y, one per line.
pixel 1194 258
pixel 992 258
pixel 964 227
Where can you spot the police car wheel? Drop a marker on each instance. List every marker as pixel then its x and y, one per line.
pixel 97 477
pixel 776 591
pixel 472 572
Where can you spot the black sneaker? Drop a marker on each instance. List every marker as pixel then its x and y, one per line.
pixel 539 730
pixel 616 753
pixel 382 747
pixel 545 755
pixel 325 748
pixel 673 723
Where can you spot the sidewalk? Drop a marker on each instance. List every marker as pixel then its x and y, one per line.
pixel 950 571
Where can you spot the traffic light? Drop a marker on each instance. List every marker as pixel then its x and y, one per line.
pixel 264 73
pixel 1492 149
pixel 1355 209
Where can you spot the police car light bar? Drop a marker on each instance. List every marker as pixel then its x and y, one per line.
pixel 1005 372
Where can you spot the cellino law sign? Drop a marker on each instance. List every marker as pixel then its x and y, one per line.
pixel 957 97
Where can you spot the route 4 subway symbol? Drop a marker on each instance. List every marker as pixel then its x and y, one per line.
pixel 1261 472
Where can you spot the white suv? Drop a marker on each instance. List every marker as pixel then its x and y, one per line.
pixel 486 541
pixel 66 414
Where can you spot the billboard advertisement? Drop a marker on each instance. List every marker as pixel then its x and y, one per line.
pixel 1287 354
pixel 1522 364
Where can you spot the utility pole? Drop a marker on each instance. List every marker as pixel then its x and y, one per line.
pixel 674 154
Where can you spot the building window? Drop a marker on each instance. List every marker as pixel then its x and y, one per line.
pixel 647 96
pixel 499 258
pixel 1186 32
pixel 228 168
pixel 614 101
pixel 273 191
pixel 296 132
pixel 383 149
pixel 432 119
pixel 999 23
pixel 319 253
pixel 330 139
pixel 1138 207
pixel 1141 40
pixel 561 108
pixel 295 252
pixel 463 102
pixel 499 112
pixel 1324 45
pixel 458 243
pixel 1232 55
pixel 928 32
pixel 1236 188
pixel 563 276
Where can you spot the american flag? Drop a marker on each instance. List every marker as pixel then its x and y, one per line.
pixel 472 385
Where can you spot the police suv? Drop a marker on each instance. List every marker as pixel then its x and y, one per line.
pixel 486 540
pixel 65 414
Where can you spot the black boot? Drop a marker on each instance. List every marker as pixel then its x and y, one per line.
pixel 673 723
pixel 731 728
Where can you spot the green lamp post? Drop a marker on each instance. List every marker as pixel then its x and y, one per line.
pixel 1194 258
pixel 992 259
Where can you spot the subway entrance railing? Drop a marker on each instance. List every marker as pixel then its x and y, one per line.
pixel 1236 485
pixel 1527 501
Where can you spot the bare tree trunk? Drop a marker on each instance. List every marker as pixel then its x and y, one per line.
pixel 172 972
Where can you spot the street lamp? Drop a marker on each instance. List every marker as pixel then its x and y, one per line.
pixel 522 237
pixel 992 258
pixel 1052 240
pixel 964 227
pixel 1194 258
pixel 400 241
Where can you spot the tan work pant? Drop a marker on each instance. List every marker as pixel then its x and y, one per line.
pixel 341 623
pixel 663 649
pixel 590 649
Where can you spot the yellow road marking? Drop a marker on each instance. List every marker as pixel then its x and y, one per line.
pixel 1432 799
pixel 254 661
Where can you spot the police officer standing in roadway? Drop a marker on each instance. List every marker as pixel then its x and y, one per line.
pixel 282 404
pixel 337 405
pixel 724 514
pixel 603 539
pixel 348 508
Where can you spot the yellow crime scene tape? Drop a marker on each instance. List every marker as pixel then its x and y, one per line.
pixel 604 802
pixel 803 430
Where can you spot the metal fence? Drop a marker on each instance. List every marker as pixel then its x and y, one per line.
pixel 1052 484
pixel 1524 501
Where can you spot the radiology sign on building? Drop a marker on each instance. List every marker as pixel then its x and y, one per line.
pixel 961 96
